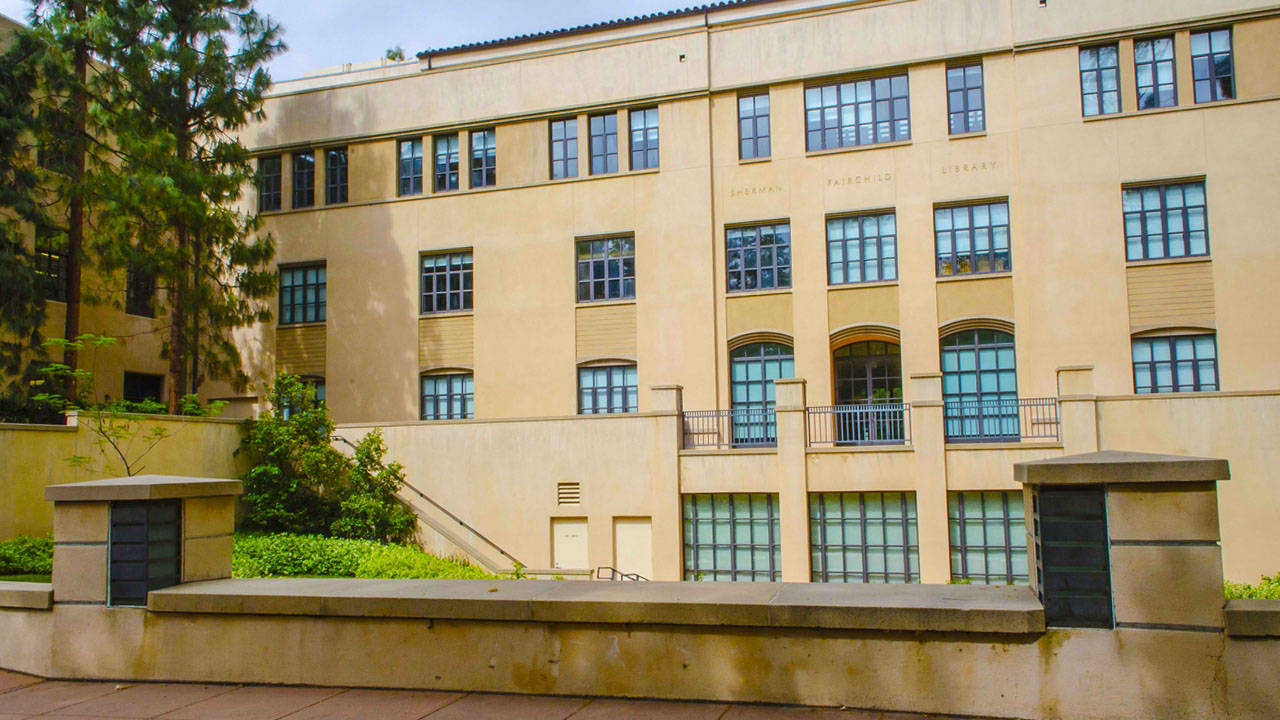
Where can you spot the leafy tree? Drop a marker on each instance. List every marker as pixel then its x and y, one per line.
pixel 370 509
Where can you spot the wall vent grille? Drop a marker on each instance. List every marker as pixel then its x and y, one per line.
pixel 569 493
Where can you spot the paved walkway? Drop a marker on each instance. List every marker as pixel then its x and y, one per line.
pixel 22 696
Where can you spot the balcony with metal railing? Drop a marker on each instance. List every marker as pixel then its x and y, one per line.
pixel 726 429
pixel 885 423
pixel 1001 420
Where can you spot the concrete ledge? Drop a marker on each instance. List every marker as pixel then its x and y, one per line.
pixel 25 595
pixel 142 487
pixel 1253 618
pixel 1114 467
pixel 905 608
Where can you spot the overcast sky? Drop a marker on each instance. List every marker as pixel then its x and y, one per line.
pixel 324 33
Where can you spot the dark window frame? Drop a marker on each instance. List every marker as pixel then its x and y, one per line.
pixel 753 421
pixel 821 521
pixel 335 175
pixel 1153 65
pixel 612 397
pixel 318 305
pixel 566 166
pixel 747 252
pixel 1207 75
pixel 1145 216
pixel 961 100
pixel 303 173
pixel 457 276
pixel 1195 363
pixel 608 159
pixel 980 407
pixel 1099 74
pixel 446 164
pixel 644 151
pixel 759 139
pixel 601 274
pixel 1014 529
pixel 733 523
pixel 131 380
pixel 270 183
pixel 947 263
pixel 145 537
pixel 484 158
pixel 886 266
pixel 459 387
pixel 409 168
pixel 140 293
pixel 828 107
pixel 51 267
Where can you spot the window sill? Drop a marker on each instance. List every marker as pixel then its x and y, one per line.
pixel 1187 260
pixel 858 148
pixel 756 293
pixel 1181 107
pixel 447 313
pixel 605 303
pixel 318 323
pixel 968 135
pixel 856 285
pixel 1003 445
pixel 976 276
pixel 754 161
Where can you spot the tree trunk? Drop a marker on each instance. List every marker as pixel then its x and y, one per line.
pixel 76 209
pixel 178 354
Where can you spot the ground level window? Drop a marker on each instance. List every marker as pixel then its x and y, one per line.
pixel 988 537
pixel 732 537
pixel 867 537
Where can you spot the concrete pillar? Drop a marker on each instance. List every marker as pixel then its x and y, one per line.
pixel 1078 409
pixel 667 401
pixel 793 490
pixel 82 530
pixel 929 440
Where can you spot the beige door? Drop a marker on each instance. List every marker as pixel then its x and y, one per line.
pixel 569 543
pixel 633 546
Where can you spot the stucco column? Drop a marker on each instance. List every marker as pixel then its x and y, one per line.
pixel 929 441
pixel 667 402
pixel 793 489
pixel 1078 409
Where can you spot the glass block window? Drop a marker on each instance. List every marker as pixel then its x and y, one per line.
pixel 1165 221
pixel 604 143
pixel 644 138
pixel 1178 363
pixel 861 112
pixel 51 266
pixel 140 387
pixel 979 386
pixel 302 294
pixel 753 126
pixel 145 549
pixel 607 389
pixel 758 257
pixel 564 148
pixel 966 108
pixel 448 397
pixel 410 167
pixel 862 248
pixel 446 282
pixel 1099 80
pixel 972 239
pixel 304 179
pixel 752 370
pixel 1154 70
pixel 606 269
pixel 1073 560
pixel 270 183
pixel 732 537
pixel 140 293
pixel 446 162
pixel 1212 67
pixel 988 537
pixel 484 158
pixel 863 537
pixel 335 176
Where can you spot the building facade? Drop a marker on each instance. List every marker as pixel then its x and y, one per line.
pixel 980 231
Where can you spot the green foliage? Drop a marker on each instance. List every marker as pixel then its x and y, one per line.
pixel 26 556
pixel 288 555
pixel 1268 587
pixel 370 508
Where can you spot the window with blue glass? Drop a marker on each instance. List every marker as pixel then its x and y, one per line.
pixel 988 537
pixel 302 294
pixel 862 248
pixel 446 162
pixel 758 257
pixel 858 112
pixel 607 389
pixel 1100 80
pixel 644 138
pixel 1165 221
pixel 863 537
pixel 732 537
pixel 1212 65
pixel 409 167
pixel 979 386
pixel 1156 78
pixel 972 239
pixel 448 396
pixel 484 158
pixel 1177 363
pixel 752 370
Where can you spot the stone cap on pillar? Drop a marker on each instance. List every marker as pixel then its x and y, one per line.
pixel 1115 467
pixel 142 487
pixel 789 394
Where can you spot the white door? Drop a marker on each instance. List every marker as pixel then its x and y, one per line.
pixel 633 546
pixel 569 543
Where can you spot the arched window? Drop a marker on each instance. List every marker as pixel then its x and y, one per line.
pixel 868 393
pixel 752 370
pixel 448 396
pixel 979 385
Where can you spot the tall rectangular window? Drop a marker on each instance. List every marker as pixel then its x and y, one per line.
pixel 140 293
pixel 335 176
pixel 142 387
pixel 1212 66
pixel 606 269
pixel 735 537
pixel 972 239
pixel 644 138
pixel 607 389
pixel 145 548
pixel 304 179
pixel 269 183
pixel 1099 80
pixel 51 265
pixel 1154 72
pixel 604 143
pixel 302 294
pixel 863 537
pixel 862 248
pixel 1177 363
pixel 1165 221
pixel 564 148
pixel 446 282
pixel 484 158
pixel 409 167
pixel 448 397
pixel 988 537
pixel 966 106
pixel 860 112
pixel 758 257
pixel 446 162
pixel 753 126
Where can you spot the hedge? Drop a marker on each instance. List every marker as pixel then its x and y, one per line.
pixel 1268 587
pixel 26 556
pixel 287 555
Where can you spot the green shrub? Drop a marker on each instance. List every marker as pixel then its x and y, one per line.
pixel 26 556
pixel 1268 587
pixel 285 555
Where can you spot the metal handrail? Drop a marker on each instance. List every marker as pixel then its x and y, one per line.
pixel 734 428
pixel 1010 420
pixel 618 576
pixel 879 423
